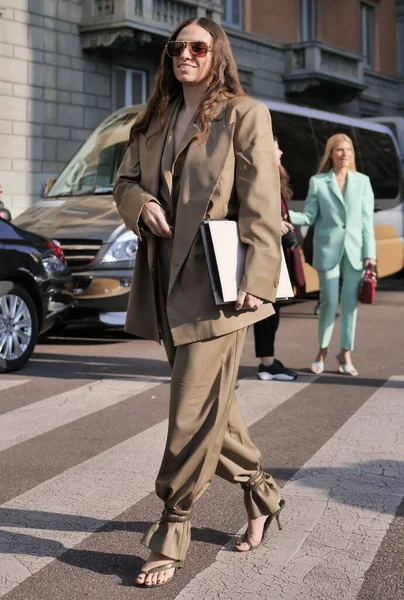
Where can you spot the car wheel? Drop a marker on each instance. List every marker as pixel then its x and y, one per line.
pixel 18 326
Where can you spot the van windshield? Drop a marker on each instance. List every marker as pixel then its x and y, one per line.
pixel 93 168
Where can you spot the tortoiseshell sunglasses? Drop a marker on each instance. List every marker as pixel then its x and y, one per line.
pixel 197 49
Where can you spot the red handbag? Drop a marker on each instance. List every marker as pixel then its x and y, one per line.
pixel 368 287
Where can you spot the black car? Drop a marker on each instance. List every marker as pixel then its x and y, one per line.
pixel 36 289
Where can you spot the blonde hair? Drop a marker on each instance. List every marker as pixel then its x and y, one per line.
pixel 326 162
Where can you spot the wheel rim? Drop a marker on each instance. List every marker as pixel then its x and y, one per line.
pixel 15 327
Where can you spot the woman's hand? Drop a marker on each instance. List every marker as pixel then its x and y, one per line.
pixel 285 227
pixel 247 301
pixel 370 265
pixel 154 218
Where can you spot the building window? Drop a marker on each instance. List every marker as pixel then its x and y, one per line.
pixel 104 8
pixel 232 13
pixel 307 20
pixel 367 32
pixel 130 87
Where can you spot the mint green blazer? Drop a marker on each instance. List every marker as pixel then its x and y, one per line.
pixel 342 222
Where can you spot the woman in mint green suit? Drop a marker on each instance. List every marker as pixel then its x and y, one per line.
pixel 340 206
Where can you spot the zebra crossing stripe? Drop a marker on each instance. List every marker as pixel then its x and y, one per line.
pixel 35 419
pixel 5 384
pixel 44 522
pixel 338 508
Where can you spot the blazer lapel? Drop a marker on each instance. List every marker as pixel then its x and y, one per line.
pixel 216 124
pixel 334 187
pixel 190 133
pixel 351 183
pixel 151 150
pixel 168 157
pixel 202 168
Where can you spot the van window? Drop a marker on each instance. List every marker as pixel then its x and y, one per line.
pixel 94 166
pixel 375 154
pixel 300 157
pixel 323 130
pixel 377 158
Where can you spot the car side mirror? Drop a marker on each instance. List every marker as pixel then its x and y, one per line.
pixel 5 214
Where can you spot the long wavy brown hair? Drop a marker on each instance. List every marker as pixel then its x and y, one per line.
pixel 224 82
pixel 286 189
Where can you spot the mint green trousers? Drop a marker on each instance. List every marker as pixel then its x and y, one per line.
pixel 329 300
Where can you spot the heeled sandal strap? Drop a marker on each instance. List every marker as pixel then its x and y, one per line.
pixel 175 564
pixel 347 369
pixel 317 367
pixel 245 540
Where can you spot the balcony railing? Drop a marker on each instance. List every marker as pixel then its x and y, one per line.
pixel 151 16
pixel 314 64
pixel 171 12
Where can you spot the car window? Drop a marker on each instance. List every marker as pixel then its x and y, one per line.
pixel 94 166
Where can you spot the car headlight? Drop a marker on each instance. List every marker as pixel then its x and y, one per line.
pixel 52 264
pixel 123 249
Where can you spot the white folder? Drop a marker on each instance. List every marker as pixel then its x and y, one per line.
pixel 225 256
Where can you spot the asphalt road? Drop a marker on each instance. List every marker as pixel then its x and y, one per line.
pixel 81 435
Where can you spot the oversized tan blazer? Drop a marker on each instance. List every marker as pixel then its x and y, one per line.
pixel 231 174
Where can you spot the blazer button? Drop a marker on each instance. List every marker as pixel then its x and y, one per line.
pixel 198 256
pixel 276 283
pixel 343 227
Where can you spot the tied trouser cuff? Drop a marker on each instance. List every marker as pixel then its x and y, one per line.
pixel 171 535
pixel 261 495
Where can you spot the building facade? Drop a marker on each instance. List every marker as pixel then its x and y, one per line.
pixel 66 64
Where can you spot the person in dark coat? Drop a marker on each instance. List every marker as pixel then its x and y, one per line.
pixel 265 330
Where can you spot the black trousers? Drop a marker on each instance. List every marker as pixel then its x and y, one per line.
pixel 264 333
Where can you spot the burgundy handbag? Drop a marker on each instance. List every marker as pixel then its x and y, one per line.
pixel 368 288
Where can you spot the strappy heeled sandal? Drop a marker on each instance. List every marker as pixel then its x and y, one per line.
pixel 347 370
pixel 175 564
pixel 317 367
pixel 245 539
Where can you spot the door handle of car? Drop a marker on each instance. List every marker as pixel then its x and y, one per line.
pixel 377 208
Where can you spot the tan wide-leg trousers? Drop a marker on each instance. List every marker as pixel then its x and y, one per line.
pixel 206 435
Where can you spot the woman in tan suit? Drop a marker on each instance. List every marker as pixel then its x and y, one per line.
pixel 202 149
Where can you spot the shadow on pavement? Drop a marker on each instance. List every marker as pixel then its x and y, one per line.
pixel 84 335
pixel 66 366
pixel 350 485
